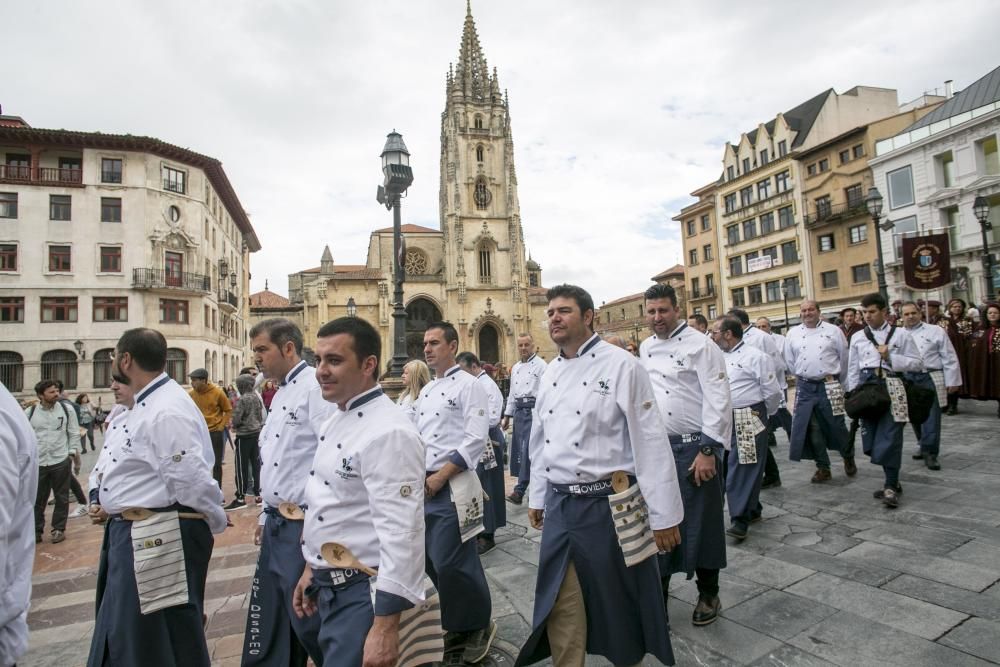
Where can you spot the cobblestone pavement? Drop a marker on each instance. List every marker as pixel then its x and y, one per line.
pixel 829 577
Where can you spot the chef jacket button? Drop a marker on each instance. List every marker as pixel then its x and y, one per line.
pixel 546 470
pixel 322 438
pixel 576 444
pixel 320 517
pixel 550 412
pixel 584 383
pixel 326 482
pixel 283 407
pixel 312 472
pixel 114 460
pixel 275 464
pixel 577 474
pixel 361 414
pixel 577 412
pixel 338 445
pixel 437 414
pixel 546 442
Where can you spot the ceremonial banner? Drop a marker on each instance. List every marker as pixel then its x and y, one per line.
pixel 926 261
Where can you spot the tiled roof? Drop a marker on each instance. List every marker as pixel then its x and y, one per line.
pixel 672 271
pixel 982 92
pixel 351 272
pixel 268 299
pixel 340 268
pixel 624 299
pixel 410 229
pixel 799 118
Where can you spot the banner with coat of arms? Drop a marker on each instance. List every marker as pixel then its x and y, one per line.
pixel 926 261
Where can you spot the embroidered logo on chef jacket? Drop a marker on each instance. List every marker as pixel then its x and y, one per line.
pixel 346 469
pixel 292 419
pixel 452 404
pixel 603 387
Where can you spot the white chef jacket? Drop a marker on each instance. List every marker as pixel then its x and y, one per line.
pixel 161 458
pixel 688 374
pixel 903 353
pixel 816 352
pixel 524 379
pixel 751 378
pixel 365 490
pixel 594 415
pixel 936 352
pixel 114 435
pixel 289 437
pixel 18 485
pixel 766 343
pixel 494 397
pixel 453 420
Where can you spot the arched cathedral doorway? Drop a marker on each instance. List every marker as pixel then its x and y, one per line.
pixel 419 313
pixel 489 344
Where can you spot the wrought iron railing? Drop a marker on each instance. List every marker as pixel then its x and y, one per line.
pixel 163 279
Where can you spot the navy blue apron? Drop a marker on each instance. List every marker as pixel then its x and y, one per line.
pixel 882 439
pixel 168 637
pixel 626 618
pixel 519 459
pixel 929 433
pixel 743 480
pixel 346 615
pixel 494 509
pixel 810 399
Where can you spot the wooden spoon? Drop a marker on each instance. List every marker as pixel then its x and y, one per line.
pixel 619 481
pixel 340 556
pixel 291 511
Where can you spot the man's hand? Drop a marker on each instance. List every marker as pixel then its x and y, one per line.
pixel 97 514
pixel 953 390
pixel 434 484
pixel 302 604
pixel 382 644
pixel 257 533
pixel 537 518
pixel 703 468
pixel 76 463
pixel 505 422
pixel 667 538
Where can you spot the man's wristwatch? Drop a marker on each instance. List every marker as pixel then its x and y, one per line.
pixel 708 451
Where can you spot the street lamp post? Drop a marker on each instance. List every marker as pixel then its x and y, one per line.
pixel 874 204
pixel 784 297
pixel 981 208
pixel 398 178
pixel 352 307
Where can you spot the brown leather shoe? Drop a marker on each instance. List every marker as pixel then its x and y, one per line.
pixel 707 610
pixel 822 475
pixel 850 467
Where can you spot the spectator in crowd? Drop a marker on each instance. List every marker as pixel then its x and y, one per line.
pixel 216 408
pixel 87 419
pixel 416 376
pixel 247 422
pixel 58 434
pixel 698 322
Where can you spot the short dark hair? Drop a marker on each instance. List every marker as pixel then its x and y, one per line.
pixel 40 387
pixel 874 299
pixel 366 341
pixel 661 291
pixel 147 347
pixel 732 325
pixel 699 318
pixel 566 291
pixel 740 315
pixel 246 370
pixel 450 332
pixel 911 303
pixel 279 331
pixel 849 309
pixel 467 359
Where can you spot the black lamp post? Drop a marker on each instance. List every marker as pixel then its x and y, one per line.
pixel 874 204
pixel 784 297
pixel 352 307
pixel 398 178
pixel 981 208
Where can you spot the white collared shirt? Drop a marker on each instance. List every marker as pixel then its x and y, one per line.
pixel 114 435
pixel 494 396
pixel 594 415
pixel 816 352
pixel 752 378
pixel 289 437
pixel 903 353
pixel 453 419
pixel 937 352
pixel 524 379
pixel 688 374
pixel 365 490
pixel 160 459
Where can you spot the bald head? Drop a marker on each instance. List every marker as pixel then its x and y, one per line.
pixel 525 346
pixel 764 324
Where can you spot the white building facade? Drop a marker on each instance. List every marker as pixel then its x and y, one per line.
pixel 102 233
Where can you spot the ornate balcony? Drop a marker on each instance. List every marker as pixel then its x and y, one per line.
pixel 40 175
pixel 824 215
pixel 229 301
pixel 160 279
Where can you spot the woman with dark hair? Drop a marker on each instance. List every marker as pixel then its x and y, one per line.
pixel 87 419
pixel 984 358
pixel 960 328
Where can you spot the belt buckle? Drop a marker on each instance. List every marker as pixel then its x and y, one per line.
pixel 574 489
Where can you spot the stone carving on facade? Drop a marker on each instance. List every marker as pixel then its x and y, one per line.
pixel 490 318
pixel 416 263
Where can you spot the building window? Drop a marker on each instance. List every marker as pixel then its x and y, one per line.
pixel 739 297
pixel 478 122
pixel 8 204
pixel 532 279
pixel 111 209
pixel 110 309
pixel 749 229
pixel 944 169
pixel 111 170
pixel 861 273
pixel 695 288
pixel 12 371
pixel 11 309
pixel 900 187
pixel 60 365
pixel 811 169
pixel 174 310
pixel 903 227
pixel 751 258
pixel 730 201
pixel 785 218
pixel 987 162
pixel 773 290
pixel 8 257
pixel 705 223
pixel 697 311
pixel 482 194
pixel 174 180
pixel 788 252
pixel 692 257
pixel 746 196
pixel 713 312
pixel 823 207
pixel 858 151
pixel 177 365
pixel 59 258
pixel 111 259
pixel 858 233
pixel 485 264
pixel 208 317
pixel 732 234
pixel 767 223
pixel 845 156
pixel 764 157
pixel 173 268
pixel 60 207
pixel 764 189
pixel 730 172
pixel 781 182
pixel 102 368
pixel 736 266
pixel 59 309
pixel 479 153
pixel 793 287
pixel 710 284
pixel 755 293
pixel 782 148
pixel 772 252
pixel 706 252
pixel 855 197
pixel 746 165
pixel 690 227
pixel 824 165
pixel 828 279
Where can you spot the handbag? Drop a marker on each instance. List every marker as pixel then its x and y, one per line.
pixel 919 402
pixel 869 400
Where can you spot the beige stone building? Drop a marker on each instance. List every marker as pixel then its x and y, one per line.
pixel 474 270
pixel 701 252
pixel 626 316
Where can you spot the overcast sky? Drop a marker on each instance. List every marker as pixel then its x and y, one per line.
pixel 619 109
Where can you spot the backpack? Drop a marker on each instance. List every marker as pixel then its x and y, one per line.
pixel 31 413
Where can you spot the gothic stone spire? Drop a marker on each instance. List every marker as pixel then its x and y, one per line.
pixel 472 77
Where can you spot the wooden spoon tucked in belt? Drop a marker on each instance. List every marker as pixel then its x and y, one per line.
pixel 340 556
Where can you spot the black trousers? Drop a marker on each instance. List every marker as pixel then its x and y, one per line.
pixel 53 479
pixel 218 448
pixel 707 582
pixel 247 465
pixel 77 490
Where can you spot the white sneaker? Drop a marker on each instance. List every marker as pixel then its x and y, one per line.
pixel 78 512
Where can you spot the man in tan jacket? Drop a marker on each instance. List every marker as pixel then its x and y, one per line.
pixel 216 408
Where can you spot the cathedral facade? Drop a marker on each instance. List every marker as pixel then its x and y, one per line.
pixel 474 270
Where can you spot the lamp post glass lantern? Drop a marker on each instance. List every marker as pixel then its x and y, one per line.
pixel 784 297
pixel 981 209
pixel 398 176
pixel 352 308
pixel 873 202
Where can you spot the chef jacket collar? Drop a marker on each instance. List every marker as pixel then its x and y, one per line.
pixel 301 366
pixel 364 397
pixel 150 388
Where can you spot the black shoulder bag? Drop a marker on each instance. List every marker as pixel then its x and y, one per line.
pixel 870 399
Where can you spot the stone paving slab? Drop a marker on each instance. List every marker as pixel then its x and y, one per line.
pixel 936 568
pixel 983 605
pixel 976 636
